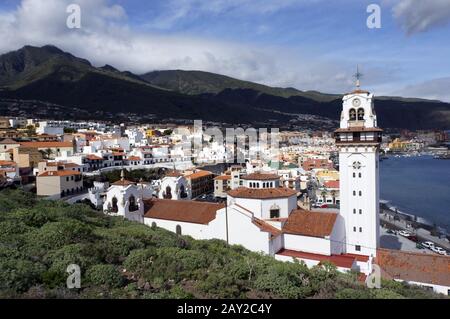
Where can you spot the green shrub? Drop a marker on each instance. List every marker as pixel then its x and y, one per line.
pixel 107 275
pixel 18 274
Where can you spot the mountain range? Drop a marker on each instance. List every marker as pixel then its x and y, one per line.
pixel 48 74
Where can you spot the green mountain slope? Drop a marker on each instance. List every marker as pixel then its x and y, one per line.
pixel 50 75
pixel 199 82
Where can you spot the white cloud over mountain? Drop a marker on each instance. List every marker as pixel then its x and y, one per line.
pixel 421 15
pixel 107 37
pixel 436 89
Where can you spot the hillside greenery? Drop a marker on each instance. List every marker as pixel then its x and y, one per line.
pixel 122 259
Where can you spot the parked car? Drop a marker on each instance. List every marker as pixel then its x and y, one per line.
pixel 428 244
pixel 413 238
pixel 391 231
pixel 404 233
pixel 324 206
pixel 419 246
pixel 439 250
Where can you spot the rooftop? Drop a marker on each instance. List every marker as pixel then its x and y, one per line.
pixel 260 177
pixel 308 223
pixel 199 174
pixel 60 173
pixel 50 144
pixel 343 261
pixel 264 193
pixel 182 210
pixel 419 267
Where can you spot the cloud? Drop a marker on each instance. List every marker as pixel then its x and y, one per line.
pixel 436 89
pixel 106 38
pixel 419 16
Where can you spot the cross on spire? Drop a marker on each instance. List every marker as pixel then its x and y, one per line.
pixel 358 75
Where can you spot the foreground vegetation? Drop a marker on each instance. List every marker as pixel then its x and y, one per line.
pixel 122 259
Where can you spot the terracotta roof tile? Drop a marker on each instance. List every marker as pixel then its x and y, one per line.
pixel 182 210
pixel 331 184
pixel 60 173
pixel 419 267
pixel 134 158
pixel 199 174
pixel 93 157
pixel 266 227
pixel 307 223
pixel 339 260
pixel 223 178
pixel 263 193
pixel 46 144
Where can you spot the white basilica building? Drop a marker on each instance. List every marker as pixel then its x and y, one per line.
pixel 263 216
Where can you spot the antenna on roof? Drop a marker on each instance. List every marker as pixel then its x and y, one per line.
pixel 358 75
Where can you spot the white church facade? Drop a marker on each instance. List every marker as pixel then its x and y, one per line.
pixel 263 216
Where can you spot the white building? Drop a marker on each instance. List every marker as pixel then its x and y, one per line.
pixel 126 199
pixel 358 140
pixel 174 186
pixel 50 128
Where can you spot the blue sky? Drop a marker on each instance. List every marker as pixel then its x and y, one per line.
pixel 307 44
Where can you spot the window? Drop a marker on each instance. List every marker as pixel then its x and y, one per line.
pixel 359 175
pixel 360 229
pixel 115 208
pixel 360 193
pixel 168 193
pixel 360 114
pixel 354 210
pixel 354 229
pixel 354 175
pixel 358 248
pixel 133 206
pixel 178 230
pixel 352 115
pixel 274 213
pixel 360 211
pixel 354 193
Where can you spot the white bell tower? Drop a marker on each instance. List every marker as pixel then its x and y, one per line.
pixel 358 140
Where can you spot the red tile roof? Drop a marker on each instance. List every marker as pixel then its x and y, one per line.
pixel 266 227
pixel 134 158
pixel 182 210
pixel 419 267
pixel 93 157
pixel 307 223
pixel 223 178
pixel 46 144
pixel 331 184
pixel 263 193
pixel 59 173
pixel 173 174
pixel 199 174
pixel 338 260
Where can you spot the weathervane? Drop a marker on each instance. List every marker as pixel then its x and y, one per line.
pixel 358 75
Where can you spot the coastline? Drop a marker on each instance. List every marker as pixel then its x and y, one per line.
pixel 395 207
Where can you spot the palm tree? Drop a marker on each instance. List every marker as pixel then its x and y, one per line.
pixel 324 196
pixel 333 194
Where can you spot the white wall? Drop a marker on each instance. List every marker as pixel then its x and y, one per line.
pixel 307 244
pixel 261 208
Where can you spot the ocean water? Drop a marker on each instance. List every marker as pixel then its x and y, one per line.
pixel 419 186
